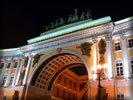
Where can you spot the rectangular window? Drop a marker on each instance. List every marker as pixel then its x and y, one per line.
pixel 132 66
pixel 69 96
pixel 117 46
pixel 58 90
pixel 74 97
pixel 2 65
pixel 120 97
pixel 4 80
pixel 9 65
pixel 64 92
pixel 16 64
pixel 119 69
pixel 59 78
pixel 130 43
pixel 11 80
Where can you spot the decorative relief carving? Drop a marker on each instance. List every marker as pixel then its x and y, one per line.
pixel 59 50
pixel 94 39
pixel 85 48
pixel 108 37
pixel 36 59
pixel 122 36
pixel 102 49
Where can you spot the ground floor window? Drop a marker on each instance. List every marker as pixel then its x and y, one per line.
pixel 4 80
pixel 132 66
pixel 120 97
pixel 119 69
pixel 11 80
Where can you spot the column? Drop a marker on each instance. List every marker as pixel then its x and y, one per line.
pixel 125 57
pixel 94 57
pixel 9 72
pixel 15 76
pixel 19 72
pixel 27 70
pixel 109 57
pixel 2 72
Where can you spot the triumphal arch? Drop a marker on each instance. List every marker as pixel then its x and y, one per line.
pixel 57 65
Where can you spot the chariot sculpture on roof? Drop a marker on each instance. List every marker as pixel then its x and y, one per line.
pixel 71 19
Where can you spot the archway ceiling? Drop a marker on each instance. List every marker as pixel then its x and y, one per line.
pixel 79 70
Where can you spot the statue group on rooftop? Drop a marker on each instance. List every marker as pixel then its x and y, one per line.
pixel 71 19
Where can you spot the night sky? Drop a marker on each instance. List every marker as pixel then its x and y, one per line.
pixel 20 21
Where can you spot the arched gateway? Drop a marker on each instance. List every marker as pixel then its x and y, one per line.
pixel 60 75
pixel 57 64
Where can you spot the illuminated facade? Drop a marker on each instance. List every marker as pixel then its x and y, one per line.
pixel 57 66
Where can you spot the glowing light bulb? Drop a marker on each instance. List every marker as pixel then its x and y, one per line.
pixel 99 66
pixel 92 68
pixel 104 65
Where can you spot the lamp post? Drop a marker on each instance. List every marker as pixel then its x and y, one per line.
pixel 99 70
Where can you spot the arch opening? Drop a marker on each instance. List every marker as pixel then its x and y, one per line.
pixel 70 69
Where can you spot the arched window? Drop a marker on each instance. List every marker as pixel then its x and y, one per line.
pixel 119 68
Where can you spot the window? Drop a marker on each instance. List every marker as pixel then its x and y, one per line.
pixel 69 95
pixel 16 64
pixel 9 65
pixel 59 77
pixel 120 97
pixel 11 80
pixel 58 90
pixel 117 46
pixel 132 66
pixel 119 69
pixel 74 97
pixel 4 80
pixel 2 65
pixel 65 80
pixel 130 43
pixel 64 94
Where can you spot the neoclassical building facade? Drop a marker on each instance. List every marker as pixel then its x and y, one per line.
pixel 57 65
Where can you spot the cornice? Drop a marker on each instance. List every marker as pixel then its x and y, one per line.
pixel 70 39
pixel 123 27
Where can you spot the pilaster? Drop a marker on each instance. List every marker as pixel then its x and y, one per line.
pixel 27 69
pixel 109 56
pixel 20 69
pixel 125 57
pixel 94 57
pixel 15 75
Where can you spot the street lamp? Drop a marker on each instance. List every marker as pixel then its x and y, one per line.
pixel 100 71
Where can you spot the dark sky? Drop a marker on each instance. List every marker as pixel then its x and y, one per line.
pixel 20 21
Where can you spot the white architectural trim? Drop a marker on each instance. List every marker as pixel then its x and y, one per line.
pixel 125 57
pixel 19 72
pixel 15 75
pixel 27 70
pixel 109 57
pixel 95 58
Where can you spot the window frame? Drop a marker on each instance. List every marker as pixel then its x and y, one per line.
pixel 2 65
pixel 119 68
pixel 11 80
pixel 120 96
pixel 117 46
pixel 15 66
pixel 8 65
pixel 3 83
pixel 131 65
pixel 131 42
